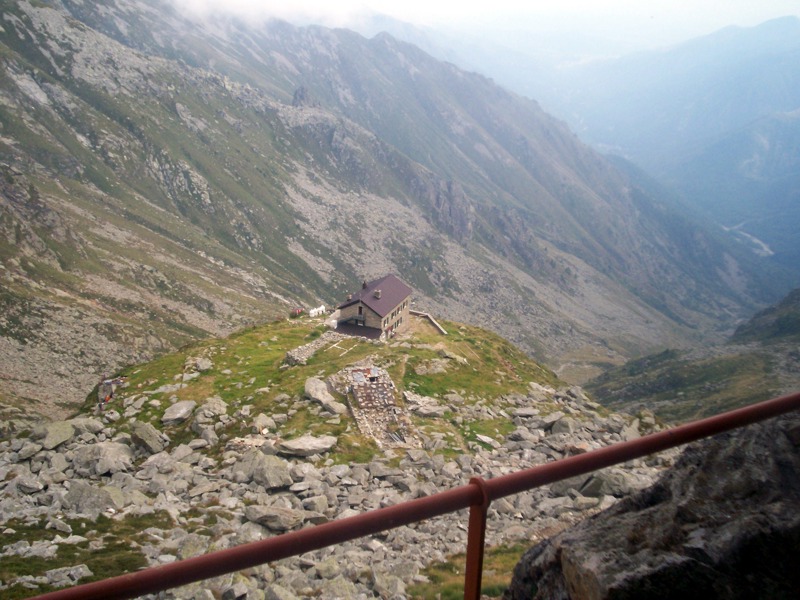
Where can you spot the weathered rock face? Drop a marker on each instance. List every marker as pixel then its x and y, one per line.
pixel 723 523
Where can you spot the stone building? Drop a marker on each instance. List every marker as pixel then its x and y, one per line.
pixel 379 309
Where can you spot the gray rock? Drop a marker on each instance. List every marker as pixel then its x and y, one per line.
pixel 612 482
pixel 28 450
pixel 168 388
pixel 262 422
pixel 198 364
pixel 274 517
pixel 209 436
pixel 277 592
pixel 316 390
pixel 267 470
pixel 213 407
pixel 566 425
pixel 317 504
pixel 548 420
pixel 585 503
pixel 388 585
pixel 67 575
pixel 147 437
pixel 307 445
pixel 724 522
pixel 178 412
pixel 329 568
pixel 86 499
pixel 339 588
pixel 103 458
pixel 381 470
pixel 58 463
pixel 28 485
pixel 631 432
pixel 430 410
pixel 235 592
pixel 54 434
pixel 87 425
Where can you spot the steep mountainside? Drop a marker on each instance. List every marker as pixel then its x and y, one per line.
pixel 749 181
pixel 779 322
pixel 163 180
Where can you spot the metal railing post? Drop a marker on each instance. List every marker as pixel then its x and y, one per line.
pixel 476 538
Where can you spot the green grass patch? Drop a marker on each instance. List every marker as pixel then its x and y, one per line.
pixel 446 580
pixel 678 390
pixel 116 557
pixel 248 371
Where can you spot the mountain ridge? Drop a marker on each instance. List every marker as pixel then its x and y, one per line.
pixel 158 202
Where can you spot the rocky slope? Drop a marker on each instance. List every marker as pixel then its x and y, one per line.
pixel 722 523
pixel 163 180
pixel 210 448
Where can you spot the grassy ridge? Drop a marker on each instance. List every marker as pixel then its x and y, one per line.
pixel 248 370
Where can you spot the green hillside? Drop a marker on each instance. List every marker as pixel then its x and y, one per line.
pixel 760 361
pixel 250 374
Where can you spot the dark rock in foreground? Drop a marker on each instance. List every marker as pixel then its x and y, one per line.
pixel 723 523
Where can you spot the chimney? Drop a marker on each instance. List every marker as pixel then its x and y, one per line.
pixel 377 294
pixel 364 285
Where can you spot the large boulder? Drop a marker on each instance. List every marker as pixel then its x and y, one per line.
pixel 307 445
pixel 87 425
pixel 178 412
pixel 270 471
pixel 87 499
pixel 723 523
pixel 104 458
pixel 275 518
pixel 147 437
pixel 316 390
pixel 53 434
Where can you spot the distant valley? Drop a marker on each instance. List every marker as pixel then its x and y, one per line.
pixel 716 119
pixel 759 361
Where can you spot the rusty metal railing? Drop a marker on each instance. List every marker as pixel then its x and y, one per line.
pixel 477 496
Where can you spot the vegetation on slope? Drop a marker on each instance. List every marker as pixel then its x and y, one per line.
pixel 164 179
pixel 249 371
pixel 761 361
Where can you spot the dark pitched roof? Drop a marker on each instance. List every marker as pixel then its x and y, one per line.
pixel 392 292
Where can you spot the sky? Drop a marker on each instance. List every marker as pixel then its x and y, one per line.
pixel 641 23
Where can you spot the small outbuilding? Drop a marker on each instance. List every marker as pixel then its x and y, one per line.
pixel 379 309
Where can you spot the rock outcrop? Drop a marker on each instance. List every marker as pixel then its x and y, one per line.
pixel 723 523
